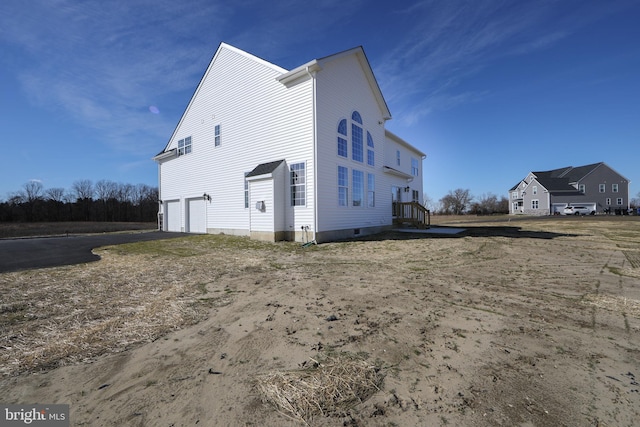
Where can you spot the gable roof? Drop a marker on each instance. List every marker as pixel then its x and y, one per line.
pixel 222 46
pixel 561 180
pixel 288 77
pixel 316 65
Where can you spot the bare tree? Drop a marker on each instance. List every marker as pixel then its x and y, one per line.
pixel 456 202
pixel 105 190
pixel 489 204
pixel 56 194
pixel 429 203
pixel 33 191
pixel 83 189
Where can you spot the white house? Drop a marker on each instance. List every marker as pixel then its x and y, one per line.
pixel 281 155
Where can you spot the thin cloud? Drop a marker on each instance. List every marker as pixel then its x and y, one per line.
pixel 452 41
pixel 102 63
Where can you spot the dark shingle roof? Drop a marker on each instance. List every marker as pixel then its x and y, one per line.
pixel 265 168
pixel 559 180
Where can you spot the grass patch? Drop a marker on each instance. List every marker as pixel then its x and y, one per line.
pixel 330 387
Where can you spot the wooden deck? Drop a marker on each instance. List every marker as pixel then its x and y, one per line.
pixel 411 213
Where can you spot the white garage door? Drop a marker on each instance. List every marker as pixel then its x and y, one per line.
pixel 557 208
pixel 172 215
pixel 196 222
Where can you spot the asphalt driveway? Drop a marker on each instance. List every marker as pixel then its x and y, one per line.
pixel 26 254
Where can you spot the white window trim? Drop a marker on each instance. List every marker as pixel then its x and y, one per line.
pixel 303 185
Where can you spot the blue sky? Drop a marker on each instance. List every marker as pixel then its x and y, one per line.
pixel 489 89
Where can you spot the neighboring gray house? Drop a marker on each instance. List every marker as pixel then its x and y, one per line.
pixel 596 186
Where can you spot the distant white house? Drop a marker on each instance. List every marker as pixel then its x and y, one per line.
pixel 281 155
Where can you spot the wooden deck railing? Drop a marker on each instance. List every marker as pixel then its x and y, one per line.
pixel 412 213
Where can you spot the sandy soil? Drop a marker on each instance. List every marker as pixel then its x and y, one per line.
pixel 525 323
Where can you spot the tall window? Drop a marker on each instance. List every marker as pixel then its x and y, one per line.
pixel 216 133
pixel 535 189
pixel 184 146
pixel 370 153
pixel 614 188
pixel 398 157
pixel 415 196
pixel 582 188
pixel 357 142
pixel 246 190
pixel 608 202
pixel 358 188
pixel 395 193
pixel 342 138
pixel 414 167
pixel 343 186
pixel 297 182
pixel 371 190
pixel 534 204
pixel 602 188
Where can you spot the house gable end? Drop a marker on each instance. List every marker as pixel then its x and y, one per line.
pixel 212 64
pixel 304 72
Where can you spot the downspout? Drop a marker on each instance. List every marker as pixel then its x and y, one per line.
pixel 160 227
pixel 312 74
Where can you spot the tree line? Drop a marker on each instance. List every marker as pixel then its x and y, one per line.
pixel 460 201
pixel 104 200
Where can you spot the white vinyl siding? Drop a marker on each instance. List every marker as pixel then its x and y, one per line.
pixel 266 120
pixel 343 89
pixel 262 192
pixel 236 91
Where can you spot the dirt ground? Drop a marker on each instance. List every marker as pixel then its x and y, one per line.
pixel 528 322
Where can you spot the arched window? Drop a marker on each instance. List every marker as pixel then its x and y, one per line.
pixel 357 140
pixel 370 152
pixel 342 138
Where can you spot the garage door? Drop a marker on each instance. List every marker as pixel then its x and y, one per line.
pixel 196 222
pixel 172 215
pixel 557 208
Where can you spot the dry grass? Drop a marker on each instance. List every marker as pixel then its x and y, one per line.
pixel 329 387
pixel 52 317
pixel 615 304
pixel 31 229
pixel 135 294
